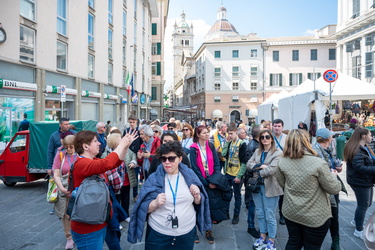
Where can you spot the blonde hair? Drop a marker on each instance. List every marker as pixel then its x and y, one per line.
pixel 68 140
pixel 112 140
pixel 297 142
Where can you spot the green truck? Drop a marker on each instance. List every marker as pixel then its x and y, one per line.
pixel 24 159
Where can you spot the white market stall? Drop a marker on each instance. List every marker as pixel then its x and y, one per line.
pixel 268 110
pixel 297 106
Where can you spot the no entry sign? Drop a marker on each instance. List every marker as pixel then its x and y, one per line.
pixel 330 75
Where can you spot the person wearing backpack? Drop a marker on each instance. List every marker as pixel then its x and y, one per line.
pixel 91 236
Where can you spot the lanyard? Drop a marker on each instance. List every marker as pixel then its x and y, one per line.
pixel 174 194
pixel 221 139
pixel 277 141
pixel 368 151
pixel 186 142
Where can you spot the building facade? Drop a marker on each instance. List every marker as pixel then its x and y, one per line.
pixel 356 38
pixel 87 48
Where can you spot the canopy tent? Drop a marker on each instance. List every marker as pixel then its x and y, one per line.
pixel 297 106
pixel 269 108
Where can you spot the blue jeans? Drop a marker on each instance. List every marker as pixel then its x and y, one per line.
pixel 251 214
pixel 237 193
pixel 112 239
pixel 90 241
pixel 265 208
pixel 364 201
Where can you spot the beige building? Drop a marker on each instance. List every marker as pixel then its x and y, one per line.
pixel 85 49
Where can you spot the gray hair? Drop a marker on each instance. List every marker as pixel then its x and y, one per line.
pixel 147 130
pixel 240 129
pixel 158 128
pixel 99 124
pixel 219 124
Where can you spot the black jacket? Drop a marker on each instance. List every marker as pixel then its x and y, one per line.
pixel 219 198
pixel 361 169
pixel 136 144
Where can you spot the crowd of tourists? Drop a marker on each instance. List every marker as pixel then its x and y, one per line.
pixel 182 178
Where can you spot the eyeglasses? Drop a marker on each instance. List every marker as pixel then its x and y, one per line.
pixel 69 147
pixel 265 137
pixel 171 128
pixel 185 129
pixel 169 158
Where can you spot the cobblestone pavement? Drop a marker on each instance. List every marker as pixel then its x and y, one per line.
pixel 25 223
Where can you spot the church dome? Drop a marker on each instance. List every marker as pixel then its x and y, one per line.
pixel 222 27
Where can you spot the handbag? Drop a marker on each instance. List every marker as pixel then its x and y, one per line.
pixel 52 191
pixel 253 184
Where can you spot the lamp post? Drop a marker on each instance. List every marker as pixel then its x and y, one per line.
pixel 265 47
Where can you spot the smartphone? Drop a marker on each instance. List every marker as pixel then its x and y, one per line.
pixel 144 150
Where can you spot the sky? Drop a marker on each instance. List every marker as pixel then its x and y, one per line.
pixel 266 18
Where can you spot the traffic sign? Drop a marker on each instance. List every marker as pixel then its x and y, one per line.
pixel 63 93
pixel 330 75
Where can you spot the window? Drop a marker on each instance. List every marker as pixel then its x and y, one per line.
pixel 217 85
pixel 154 29
pixel 356 67
pixel 217 54
pixel 91 31
pixel 186 42
pixel 124 2
pixel 235 98
pixel 254 53
pixel 61 56
pixel 110 32
pixel 154 93
pixel 217 98
pixel 276 80
pixel 254 70
pixel 313 54
pixel 356 8
pixel 143 16
pixel 235 85
pixel 235 71
pixel 370 39
pixel 135 59
pixel 295 79
pixel 235 53
pixel 313 76
pixel 253 85
pixel 91 66
pixel 61 17
pixel 110 72
pixel 27 44
pixel 332 54
pixel 156 49
pixel 275 56
pixel 156 68
pixel 18 144
pixel 369 70
pixel 110 11
pixel 135 9
pixel 217 72
pixel 124 52
pixel 295 55
pixel 91 3
pixel 28 9
pixel 135 33
pixel 124 23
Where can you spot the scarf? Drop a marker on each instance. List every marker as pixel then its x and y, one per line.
pixel 148 145
pixel 210 159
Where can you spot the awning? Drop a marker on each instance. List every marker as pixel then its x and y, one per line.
pixel 217 113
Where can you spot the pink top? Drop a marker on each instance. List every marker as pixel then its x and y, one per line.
pixel 69 160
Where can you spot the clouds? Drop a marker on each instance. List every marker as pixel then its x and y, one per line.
pixel 200 29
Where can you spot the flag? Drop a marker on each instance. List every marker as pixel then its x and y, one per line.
pixel 132 86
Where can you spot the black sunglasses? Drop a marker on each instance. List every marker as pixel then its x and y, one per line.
pixel 265 137
pixel 169 158
pixel 171 128
pixel 155 131
pixel 185 129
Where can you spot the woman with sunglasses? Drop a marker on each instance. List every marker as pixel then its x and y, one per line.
pixel 167 136
pixel 205 163
pixel 263 164
pixel 306 180
pixel 64 158
pixel 157 130
pixel 173 200
pixel 187 137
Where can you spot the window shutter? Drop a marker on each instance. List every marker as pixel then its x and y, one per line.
pixel 369 64
pixel 154 32
pixel 280 80
pixel 300 78
pixel 158 68
pixel 309 76
pixel 271 80
pixel 290 79
pixel 158 48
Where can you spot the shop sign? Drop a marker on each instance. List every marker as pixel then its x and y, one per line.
pixel 57 90
pixel 111 97
pixel 142 100
pixel 135 99
pixel 7 84
pixel 87 93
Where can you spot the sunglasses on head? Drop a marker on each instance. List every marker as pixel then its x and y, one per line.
pixel 169 158
pixel 265 137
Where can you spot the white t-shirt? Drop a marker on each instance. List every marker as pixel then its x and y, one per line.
pixel 186 143
pixel 158 219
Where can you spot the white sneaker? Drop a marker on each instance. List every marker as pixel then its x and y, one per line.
pixel 127 219
pixel 358 234
pixel 352 222
pixel 121 227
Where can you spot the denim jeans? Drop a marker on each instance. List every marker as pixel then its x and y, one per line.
pixel 334 227
pixel 307 237
pixel 90 241
pixel 156 241
pixel 364 201
pixel 251 213
pixel 237 193
pixel 265 208
pixel 112 239
pixel 135 189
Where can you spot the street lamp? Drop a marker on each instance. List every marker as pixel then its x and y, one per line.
pixel 265 47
